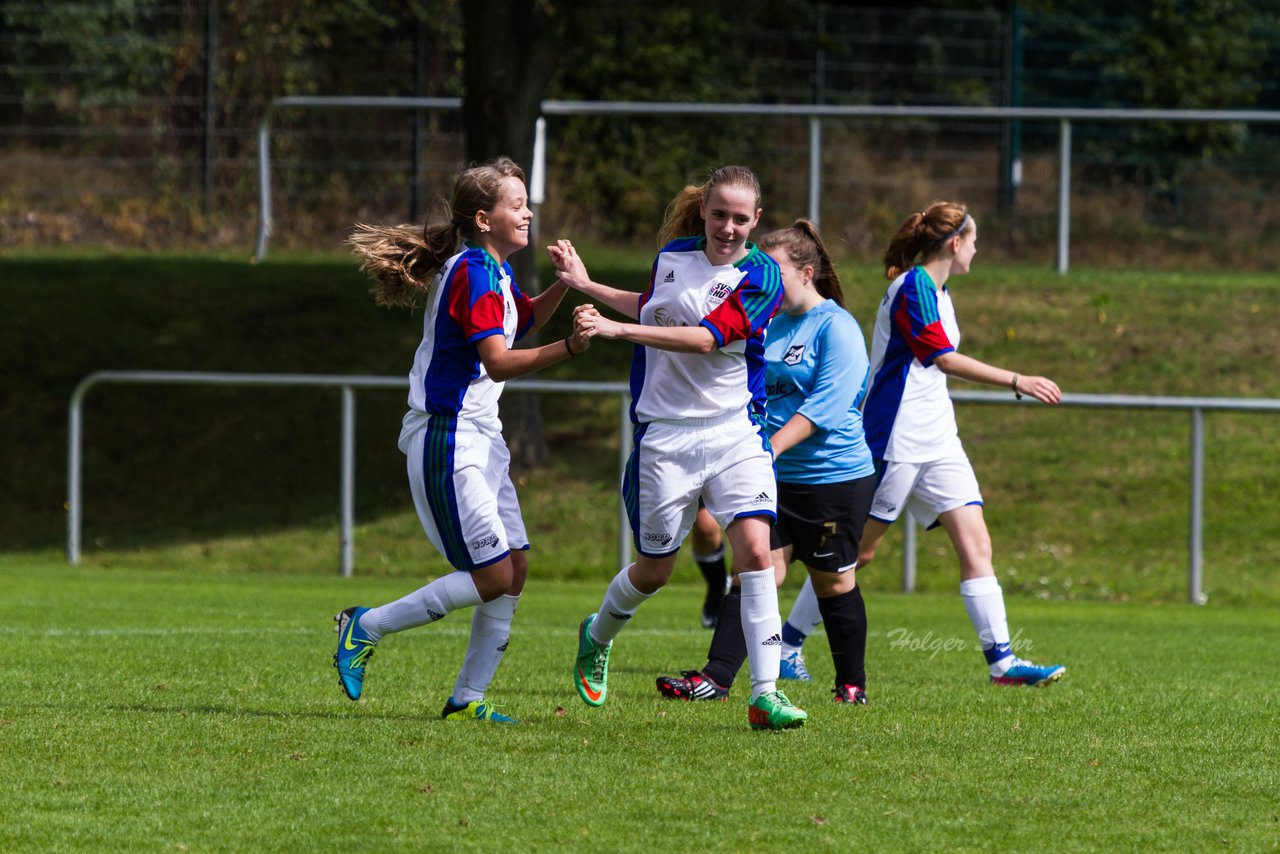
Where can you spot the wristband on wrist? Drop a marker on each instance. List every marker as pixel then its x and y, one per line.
pixel 572 355
pixel 1013 384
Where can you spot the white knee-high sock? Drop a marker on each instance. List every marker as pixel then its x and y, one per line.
pixel 425 605
pixel 804 618
pixel 620 601
pixel 490 632
pixel 762 628
pixel 984 601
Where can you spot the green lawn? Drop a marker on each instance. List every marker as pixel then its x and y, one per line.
pixel 176 708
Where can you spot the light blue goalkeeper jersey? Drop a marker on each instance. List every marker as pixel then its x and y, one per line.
pixel 816 364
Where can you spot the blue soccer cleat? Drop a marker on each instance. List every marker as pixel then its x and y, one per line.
pixel 1025 673
pixel 354 651
pixel 792 666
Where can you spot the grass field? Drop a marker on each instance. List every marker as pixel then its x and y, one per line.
pixel 176 709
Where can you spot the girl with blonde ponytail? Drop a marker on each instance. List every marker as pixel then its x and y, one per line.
pixel 816 372
pixel 455 268
pixel 697 379
pixel 911 425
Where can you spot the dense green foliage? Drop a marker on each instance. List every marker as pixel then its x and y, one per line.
pixel 179 710
pixel 130 77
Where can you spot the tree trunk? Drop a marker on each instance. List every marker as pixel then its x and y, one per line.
pixel 510 54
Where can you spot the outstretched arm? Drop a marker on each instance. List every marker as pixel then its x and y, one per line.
pixel 677 339
pixel 573 272
pixel 546 303
pixel 954 364
pixel 503 364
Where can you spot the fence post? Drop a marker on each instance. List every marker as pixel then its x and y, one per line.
pixel 815 169
pixel 348 466
pixel 264 184
pixel 1195 582
pixel 1064 194
pixel 908 553
pixel 75 442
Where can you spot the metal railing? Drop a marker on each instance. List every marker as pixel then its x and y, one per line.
pixel 348 385
pixel 816 114
pixel 1197 406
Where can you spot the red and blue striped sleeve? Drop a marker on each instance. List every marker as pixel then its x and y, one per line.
pixel 748 310
pixel 475 299
pixel 917 319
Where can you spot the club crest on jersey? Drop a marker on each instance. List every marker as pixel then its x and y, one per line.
pixel 719 292
pixel 794 354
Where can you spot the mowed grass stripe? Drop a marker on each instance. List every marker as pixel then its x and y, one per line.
pixel 230 732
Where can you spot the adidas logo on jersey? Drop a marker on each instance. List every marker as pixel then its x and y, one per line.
pixel 776 640
pixel 671 276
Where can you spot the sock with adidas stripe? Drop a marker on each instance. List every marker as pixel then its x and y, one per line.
pixel 424 605
pixel 490 633
pixel 762 627
pixel 620 602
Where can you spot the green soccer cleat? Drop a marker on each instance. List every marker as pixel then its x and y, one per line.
pixel 591 672
pixel 772 710
pixel 476 710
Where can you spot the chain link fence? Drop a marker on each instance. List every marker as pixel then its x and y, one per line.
pixel 133 123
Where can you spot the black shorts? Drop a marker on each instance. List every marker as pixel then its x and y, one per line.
pixel 823 521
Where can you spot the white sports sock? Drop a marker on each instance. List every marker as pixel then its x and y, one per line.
pixel 762 628
pixel 490 632
pixel 425 605
pixel 620 601
pixel 805 616
pixel 984 602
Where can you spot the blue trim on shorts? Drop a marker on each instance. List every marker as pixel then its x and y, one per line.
pixel 773 517
pixel 439 448
pixel 631 489
pixel 656 555
pixel 490 562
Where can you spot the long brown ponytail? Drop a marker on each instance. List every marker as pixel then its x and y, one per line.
pixel 922 235
pixel 805 248
pixel 684 217
pixel 403 259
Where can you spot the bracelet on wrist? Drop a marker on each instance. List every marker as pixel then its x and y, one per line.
pixel 1013 384
pixel 572 355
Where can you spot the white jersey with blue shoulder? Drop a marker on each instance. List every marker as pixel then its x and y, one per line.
pixel 735 302
pixel 817 366
pixel 472 297
pixel 908 415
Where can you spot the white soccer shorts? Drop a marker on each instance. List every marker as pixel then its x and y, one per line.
pixel 724 460
pixel 925 490
pixel 461 484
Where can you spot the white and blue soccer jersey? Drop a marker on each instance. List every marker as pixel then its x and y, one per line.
pixel 472 298
pixel 735 302
pixel 908 414
pixel 816 365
